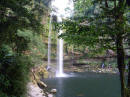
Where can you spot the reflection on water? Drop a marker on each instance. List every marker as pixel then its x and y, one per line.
pixel 86 85
pixel 60 87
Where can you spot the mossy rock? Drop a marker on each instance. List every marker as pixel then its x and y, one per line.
pixel 38 73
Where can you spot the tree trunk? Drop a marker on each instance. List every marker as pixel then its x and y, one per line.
pixel 73 56
pixel 120 62
pixel 129 75
pixel 128 95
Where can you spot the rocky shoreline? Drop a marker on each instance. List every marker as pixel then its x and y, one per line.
pixel 35 91
pixel 88 68
pixel 36 87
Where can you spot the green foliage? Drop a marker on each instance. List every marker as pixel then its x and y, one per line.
pixel 106 28
pixel 14 71
pixel 37 49
pixel 99 29
pixel 21 32
pixel 81 7
pixel 20 15
pixel 14 66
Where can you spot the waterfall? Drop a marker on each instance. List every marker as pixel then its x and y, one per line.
pixel 60 5
pixel 60 59
pixel 60 71
pixel 49 43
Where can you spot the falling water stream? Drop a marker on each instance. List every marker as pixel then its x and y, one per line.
pixel 61 5
pixel 60 71
pixel 49 42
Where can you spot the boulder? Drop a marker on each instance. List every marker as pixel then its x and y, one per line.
pixel 41 84
pixel 50 95
pixel 53 91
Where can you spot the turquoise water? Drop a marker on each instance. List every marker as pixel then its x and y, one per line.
pixel 86 85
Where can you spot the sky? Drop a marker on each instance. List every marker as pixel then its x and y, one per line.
pixel 61 6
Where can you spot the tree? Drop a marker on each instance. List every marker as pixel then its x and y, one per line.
pixel 20 31
pixel 105 28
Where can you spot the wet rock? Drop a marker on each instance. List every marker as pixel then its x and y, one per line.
pixel 41 84
pixel 100 71
pixel 34 90
pixel 39 72
pixel 53 91
pixel 50 95
pixel 94 71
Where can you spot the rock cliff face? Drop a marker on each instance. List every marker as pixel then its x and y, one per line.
pixel 34 91
pixel 38 73
pixel 37 88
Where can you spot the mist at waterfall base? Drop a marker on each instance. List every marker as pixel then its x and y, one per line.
pixel 86 84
